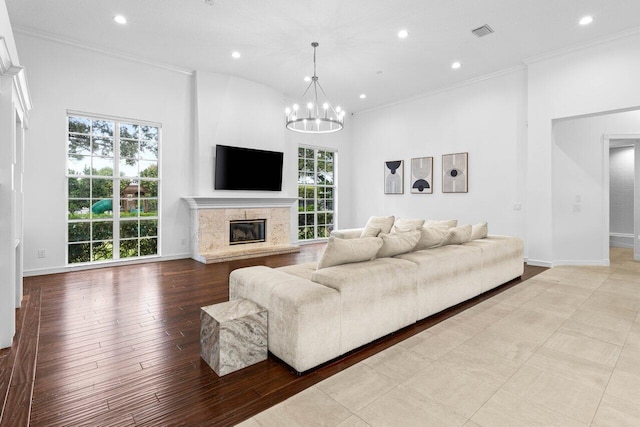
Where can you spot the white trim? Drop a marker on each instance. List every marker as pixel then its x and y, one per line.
pixel 539 263
pixel 573 262
pixel 92 116
pixel 207 202
pixel 108 52
pixel 582 46
pixel 103 264
pixel 318 147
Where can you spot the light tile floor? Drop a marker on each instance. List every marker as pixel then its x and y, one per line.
pixel 561 349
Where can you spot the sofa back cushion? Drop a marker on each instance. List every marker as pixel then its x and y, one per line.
pixel 446 223
pixel 370 231
pixel 344 251
pixel 431 237
pixel 398 243
pixel 402 225
pixel 479 231
pixel 457 235
pixel 384 223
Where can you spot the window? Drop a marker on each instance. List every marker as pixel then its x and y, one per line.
pixel 112 189
pixel 316 193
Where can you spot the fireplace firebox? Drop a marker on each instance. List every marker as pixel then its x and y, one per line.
pixel 247 231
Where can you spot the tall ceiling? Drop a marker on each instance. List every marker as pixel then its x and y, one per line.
pixel 359 50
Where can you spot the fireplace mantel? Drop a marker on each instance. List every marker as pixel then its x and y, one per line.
pixel 210 219
pixel 207 202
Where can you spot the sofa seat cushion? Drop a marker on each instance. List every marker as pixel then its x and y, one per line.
pixel 304 271
pixel 446 276
pixel 501 259
pixel 304 325
pixel 377 297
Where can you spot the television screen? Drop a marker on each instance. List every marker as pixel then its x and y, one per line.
pixel 247 169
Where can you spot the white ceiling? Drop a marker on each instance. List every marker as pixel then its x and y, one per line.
pixel 359 49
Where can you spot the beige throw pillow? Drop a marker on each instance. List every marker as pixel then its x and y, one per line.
pixel 431 237
pixel 457 235
pixel 447 223
pixel 344 251
pixel 403 225
pixel 398 243
pixel 384 223
pixel 370 231
pixel 479 230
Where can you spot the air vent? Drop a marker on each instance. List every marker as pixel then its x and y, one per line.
pixel 482 31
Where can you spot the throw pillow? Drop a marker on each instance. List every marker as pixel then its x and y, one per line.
pixel 447 223
pixel 398 243
pixel 344 251
pixel 479 231
pixel 457 235
pixel 370 231
pixel 384 223
pixel 403 225
pixel 431 237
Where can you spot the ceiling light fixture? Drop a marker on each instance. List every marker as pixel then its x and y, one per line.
pixel 363 96
pixel 235 54
pixel 320 116
pixel 456 65
pixel 307 79
pixel 586 20
pixel 120 19
pixel 403 34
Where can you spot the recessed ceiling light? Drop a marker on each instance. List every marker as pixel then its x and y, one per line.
pixel 307 79
pixel 456 65
pixel 363 96
pixel 120 19
pixel 235 54
pixel 586 20
pixel 403 34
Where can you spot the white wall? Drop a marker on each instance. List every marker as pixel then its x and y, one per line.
pixel 580 185
pixel 485 119
pixel 63 77
pixel 601 78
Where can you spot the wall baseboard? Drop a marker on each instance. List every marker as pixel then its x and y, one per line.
pixel 585 263
pixel 538 263
pixel 68 269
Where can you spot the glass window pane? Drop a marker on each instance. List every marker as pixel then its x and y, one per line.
pixel 300 152
pixel 103 147
pixel 149 188
pixel 148 228
pixel 101 188
pixel 301 191
pixel 128 248
pixel 129 130
pixel 79 209
pixel 329 218
pixel 301 219
pixel 79 231
pixel 101 208
pixel 79 188
pixel 149 150
pixel 80 252
pixel 102 251
pixel 148 168
pixel 79 124
pixel 148 246
pixel 148 207
pixel 308 153
pixel 128 167
pixel 329 156
pixel 79 144
pixel 102 230
pixel 301 233
pixel 128 149
pixel 79 165
pixel 129 229
pixel 149 133
pixel 102 166
pixel 300 205
pixel 102 128
pixel 308 165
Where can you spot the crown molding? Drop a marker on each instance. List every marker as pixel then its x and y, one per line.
pixel 560 52
pixel 108 52
pixel 9 68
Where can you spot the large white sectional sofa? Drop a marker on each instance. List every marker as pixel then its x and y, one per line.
pixel 317 314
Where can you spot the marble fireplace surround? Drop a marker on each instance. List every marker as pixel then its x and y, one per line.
pixel 209 226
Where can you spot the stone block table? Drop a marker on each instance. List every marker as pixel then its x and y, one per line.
pixel 233 335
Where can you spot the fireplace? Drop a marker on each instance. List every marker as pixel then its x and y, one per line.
pixel 247 231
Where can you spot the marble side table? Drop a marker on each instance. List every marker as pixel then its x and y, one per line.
pixel 233 335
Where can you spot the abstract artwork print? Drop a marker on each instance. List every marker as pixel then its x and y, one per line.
pixel 394 177
pixel 455 177
pixel 422 175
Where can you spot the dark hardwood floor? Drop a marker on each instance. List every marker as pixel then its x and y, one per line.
pixel 120 346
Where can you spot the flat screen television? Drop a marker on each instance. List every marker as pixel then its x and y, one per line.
pixel 240 168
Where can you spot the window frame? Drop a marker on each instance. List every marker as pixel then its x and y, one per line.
pixel 116 219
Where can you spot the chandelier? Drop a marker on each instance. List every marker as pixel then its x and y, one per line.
pixel 316 115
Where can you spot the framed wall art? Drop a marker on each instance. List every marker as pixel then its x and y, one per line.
pixel 455 173
pixel 394 177
pixel 422 175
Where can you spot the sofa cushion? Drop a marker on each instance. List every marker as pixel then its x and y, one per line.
pixel 479 231
pixel 402 225
pixel 430 237
pixel 370 231
pixel 347 233
pixel 384 223
pixel 457 235
pixel 344 251
pixel 398 243
pixel 446 223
